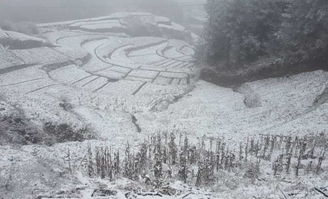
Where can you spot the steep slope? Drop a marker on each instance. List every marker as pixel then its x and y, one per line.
pixel 102 85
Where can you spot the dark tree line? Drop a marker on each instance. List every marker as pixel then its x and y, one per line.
pixel 277 36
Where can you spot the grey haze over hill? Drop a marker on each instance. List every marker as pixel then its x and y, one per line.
pixel 51 10
pixel 59 10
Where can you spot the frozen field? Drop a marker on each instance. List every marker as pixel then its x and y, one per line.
pixel 100 74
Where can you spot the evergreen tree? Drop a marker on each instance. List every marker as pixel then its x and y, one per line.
pixel 252 39
pixel 241 31
pixel 304 32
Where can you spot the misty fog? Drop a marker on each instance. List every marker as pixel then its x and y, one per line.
pixel 59 10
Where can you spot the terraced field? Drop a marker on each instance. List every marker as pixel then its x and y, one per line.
pixel 99 64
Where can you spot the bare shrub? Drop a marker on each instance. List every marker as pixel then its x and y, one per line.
pixel 163 158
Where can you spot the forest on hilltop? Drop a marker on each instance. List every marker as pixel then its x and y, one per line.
pixel 254 39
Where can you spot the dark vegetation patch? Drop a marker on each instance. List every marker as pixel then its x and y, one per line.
pixel 19 130
pixel 256 39
pixel 59 133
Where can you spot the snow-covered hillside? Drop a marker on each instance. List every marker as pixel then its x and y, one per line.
pixel 120 79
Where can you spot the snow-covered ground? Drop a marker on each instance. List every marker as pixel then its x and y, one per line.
pixel 285 106
pixel 124 88
pixel 97 75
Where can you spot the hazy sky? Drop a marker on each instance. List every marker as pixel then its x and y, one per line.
pixel 60 10
pixel 51 10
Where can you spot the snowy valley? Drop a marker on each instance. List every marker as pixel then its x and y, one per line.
pixel 87 102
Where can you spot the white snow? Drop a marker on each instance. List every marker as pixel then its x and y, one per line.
pixel 286 107
pixel 150 78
